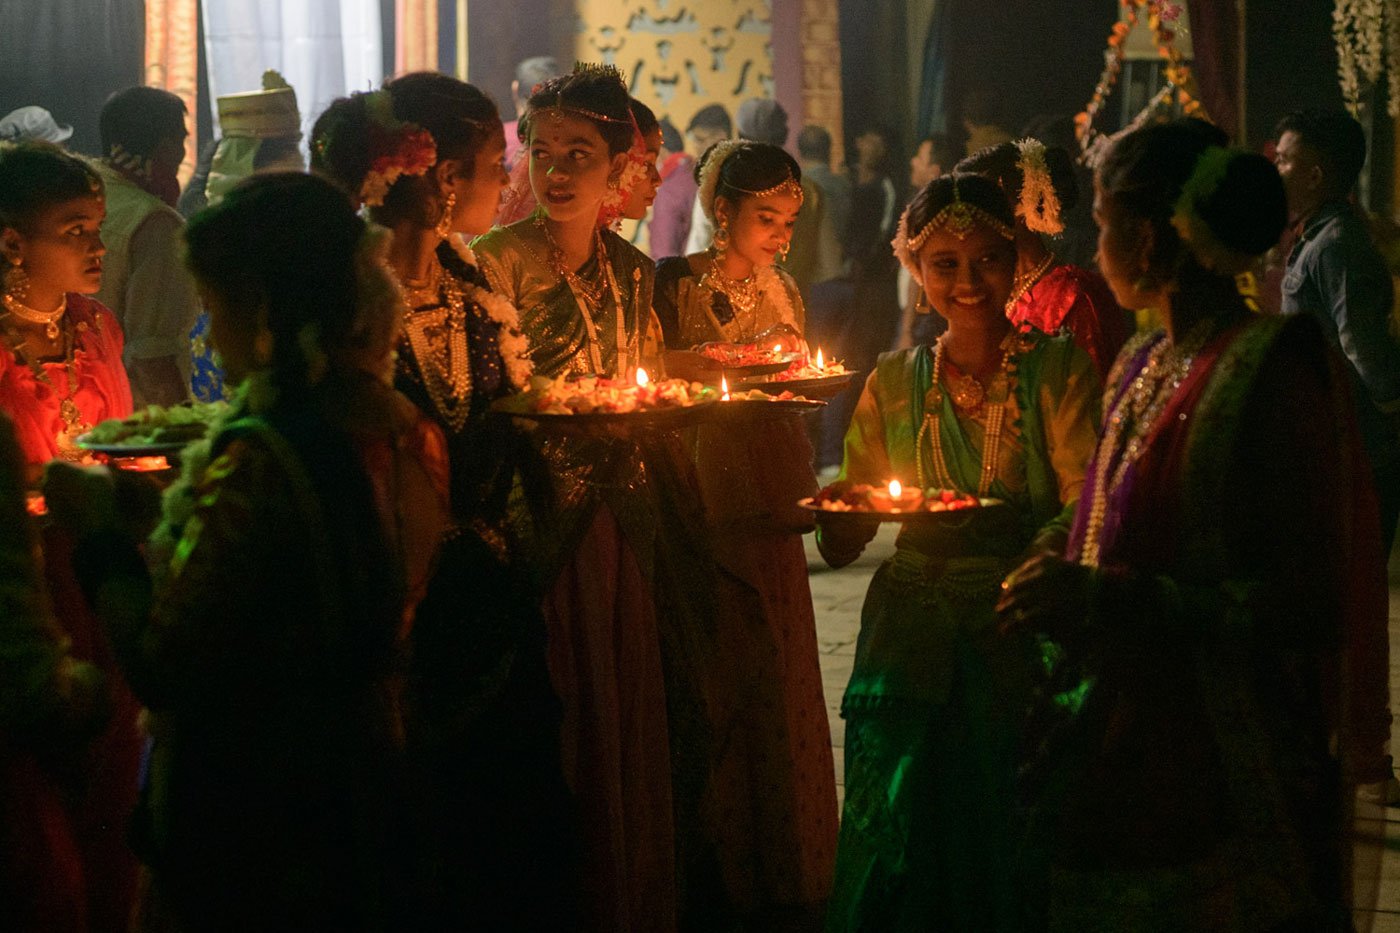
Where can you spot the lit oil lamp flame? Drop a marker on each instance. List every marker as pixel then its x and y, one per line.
pixel 777 348
pixel 723 389
pixel 642 377
pixel 896 490
pixel 820 364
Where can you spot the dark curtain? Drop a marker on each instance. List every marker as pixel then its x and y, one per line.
pixel 933 90
pixel 874 74
pixel 1215 41
pixel 68 56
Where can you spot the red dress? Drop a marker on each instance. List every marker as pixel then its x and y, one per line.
pixel 103 391
pixel 1080 300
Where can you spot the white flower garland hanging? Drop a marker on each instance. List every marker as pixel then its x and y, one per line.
pixel 515 346
pixel 1367 33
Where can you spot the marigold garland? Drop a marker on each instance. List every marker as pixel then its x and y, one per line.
pixel 1162 16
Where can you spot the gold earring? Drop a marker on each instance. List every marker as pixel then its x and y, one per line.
pixel 722 236
pixel 921 306
pixel 444 224
pixel 17 282
pixel 783 251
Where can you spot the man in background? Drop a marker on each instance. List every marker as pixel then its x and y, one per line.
pixel 144 279
pixel 675 197
pixel 934 155
pixel 709 126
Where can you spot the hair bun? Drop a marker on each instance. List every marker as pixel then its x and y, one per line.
pixel 1247 211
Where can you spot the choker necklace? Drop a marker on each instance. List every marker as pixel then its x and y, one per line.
pixel 29 315
pixel 743 293
pixel 1023 283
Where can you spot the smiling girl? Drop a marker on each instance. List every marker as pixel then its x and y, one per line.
pixel 935 701
pixel 60 351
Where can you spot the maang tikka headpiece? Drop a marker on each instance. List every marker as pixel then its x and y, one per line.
pixel 957 218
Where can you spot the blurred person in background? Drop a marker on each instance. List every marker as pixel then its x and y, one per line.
pixel 33 123
pixel 146 283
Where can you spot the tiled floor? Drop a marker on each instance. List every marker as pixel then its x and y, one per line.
pixel 837 596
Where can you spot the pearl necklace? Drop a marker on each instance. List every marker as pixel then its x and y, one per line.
pixel 1131 421
pixel 438 337
pixel 993 403
pixel 1023 283
pixel 30 315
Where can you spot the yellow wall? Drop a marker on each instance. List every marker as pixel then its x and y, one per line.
pixel 680 55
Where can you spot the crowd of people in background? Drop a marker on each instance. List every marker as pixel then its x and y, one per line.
pixel 380 659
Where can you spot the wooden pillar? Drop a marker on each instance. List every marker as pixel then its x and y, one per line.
pixel 821 71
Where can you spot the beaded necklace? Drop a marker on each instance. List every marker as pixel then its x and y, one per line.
pixel 992 402
pixel 1023 283
pixel 437 334
pixel 1131 421
pixel 589 295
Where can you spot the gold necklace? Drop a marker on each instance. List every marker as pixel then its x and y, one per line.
pixel 993 402
pixel 30 315
pixel 1134 416
pixel 73 424
pixel 438 338
pixel 743 294
pixel 588 301
pixel 1022 283
pixel 591 292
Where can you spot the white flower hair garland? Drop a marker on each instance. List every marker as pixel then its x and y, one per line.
pixel 709 174
pixel 515 346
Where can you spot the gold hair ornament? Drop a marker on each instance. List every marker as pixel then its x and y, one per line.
pixel 957 218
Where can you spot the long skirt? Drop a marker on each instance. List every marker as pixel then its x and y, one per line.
pixel 605 664
pixel 928 827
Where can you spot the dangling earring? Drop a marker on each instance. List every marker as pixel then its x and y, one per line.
pixel 783 251
pixel 17 282
pixel 722 237
pixel 921 306
pixel 444 224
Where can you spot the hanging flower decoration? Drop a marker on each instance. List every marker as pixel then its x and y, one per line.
pixel 634 174
pixel 1162 18
pixel 1367 33
pixel 396 148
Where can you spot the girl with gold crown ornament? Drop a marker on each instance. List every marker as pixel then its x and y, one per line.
pixel 1048 294
pixel 936 699
pixel 628 577
pixel 61 357
pixel 775 818
pixel 425 155
pixel 1221 595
